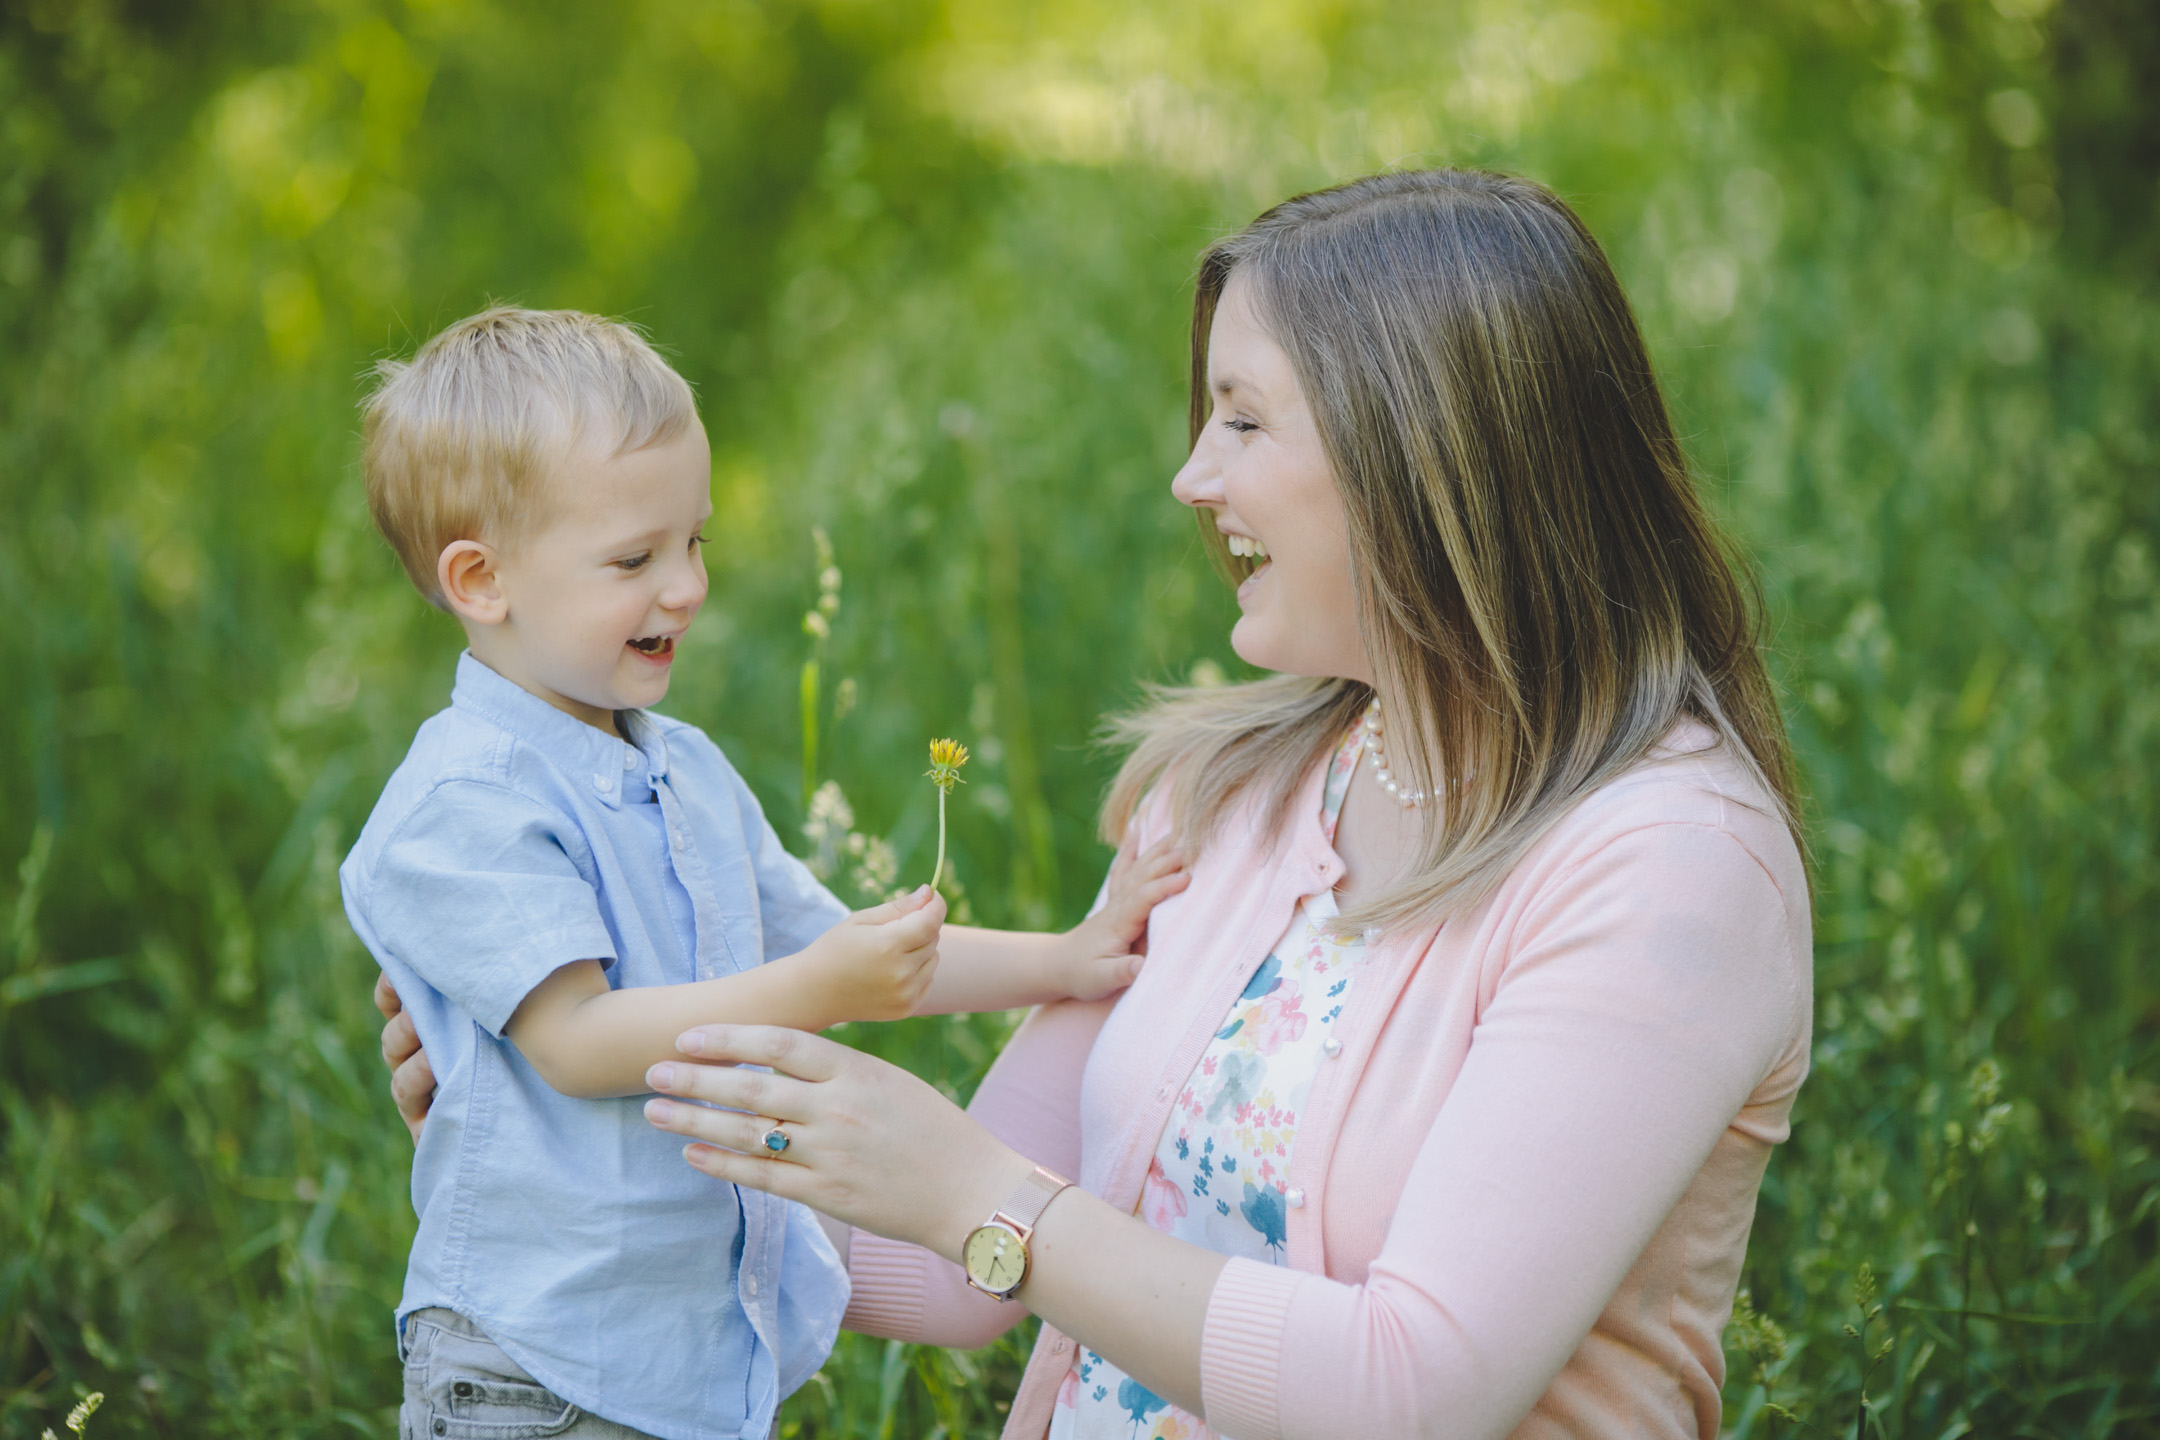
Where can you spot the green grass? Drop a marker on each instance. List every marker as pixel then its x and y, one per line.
pixel 928 266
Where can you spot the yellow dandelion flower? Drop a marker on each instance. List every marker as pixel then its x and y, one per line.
pixel 946 758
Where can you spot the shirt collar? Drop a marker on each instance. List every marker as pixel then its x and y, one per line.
pixel 590 756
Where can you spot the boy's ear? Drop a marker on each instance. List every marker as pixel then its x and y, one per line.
pixel 471 588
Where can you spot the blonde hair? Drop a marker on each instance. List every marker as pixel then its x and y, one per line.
pixel 1541 591
pixel 461 440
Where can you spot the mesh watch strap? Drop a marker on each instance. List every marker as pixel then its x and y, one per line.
pixel 1030 1198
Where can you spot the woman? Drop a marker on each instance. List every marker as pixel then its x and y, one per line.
pixel 1441 1104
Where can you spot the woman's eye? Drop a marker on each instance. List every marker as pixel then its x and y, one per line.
pixel 697 540
pixel 1242 427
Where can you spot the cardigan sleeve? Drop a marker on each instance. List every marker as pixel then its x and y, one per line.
pixel 1030 1099
pixel 1651 988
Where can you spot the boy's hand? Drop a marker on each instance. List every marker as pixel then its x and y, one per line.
pixel 1102 953
pixel 875 964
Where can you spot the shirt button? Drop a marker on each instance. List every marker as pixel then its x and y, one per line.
pixel 1331 1046
pixel 1295 1199
pixel 603 783
pixel 629 758
pixel 749 1284
pixel 680 839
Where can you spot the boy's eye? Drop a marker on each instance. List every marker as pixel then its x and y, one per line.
pixel 634 562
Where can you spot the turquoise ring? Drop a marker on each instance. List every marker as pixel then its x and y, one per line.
pixel 774 1140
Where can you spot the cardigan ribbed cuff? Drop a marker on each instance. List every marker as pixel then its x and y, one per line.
pixel 886 1285
pixel 1241 1349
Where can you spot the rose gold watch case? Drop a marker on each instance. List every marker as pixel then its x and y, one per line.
pixel 1015 1218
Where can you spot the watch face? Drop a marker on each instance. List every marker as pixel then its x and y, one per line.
pixel 996 1259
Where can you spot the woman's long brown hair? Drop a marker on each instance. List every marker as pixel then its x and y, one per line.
pixel 1542 593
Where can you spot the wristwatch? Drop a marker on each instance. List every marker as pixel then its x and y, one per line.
pixel 995 1254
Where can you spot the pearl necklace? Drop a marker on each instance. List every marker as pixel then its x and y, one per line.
pixel 1402 795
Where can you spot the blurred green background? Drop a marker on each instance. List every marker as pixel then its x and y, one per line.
pixel 928 266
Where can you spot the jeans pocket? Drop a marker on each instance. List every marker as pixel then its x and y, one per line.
pixel 470 1390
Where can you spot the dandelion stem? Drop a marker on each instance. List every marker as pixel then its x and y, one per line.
pixel 946 758
pixel 939 870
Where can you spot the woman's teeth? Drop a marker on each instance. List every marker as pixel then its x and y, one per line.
pixel 1250 549
pixel 655 645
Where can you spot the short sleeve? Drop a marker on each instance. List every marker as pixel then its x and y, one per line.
pixel 477 891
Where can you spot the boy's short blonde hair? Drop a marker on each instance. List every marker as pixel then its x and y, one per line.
pixel 462 439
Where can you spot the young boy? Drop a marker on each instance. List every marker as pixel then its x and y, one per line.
pixel 558 883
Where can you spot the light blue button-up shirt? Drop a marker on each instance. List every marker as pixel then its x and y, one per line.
pixel 512 841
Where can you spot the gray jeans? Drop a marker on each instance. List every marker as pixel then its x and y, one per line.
pixel 460 1386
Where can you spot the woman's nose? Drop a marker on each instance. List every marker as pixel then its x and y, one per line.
pixel 1198 481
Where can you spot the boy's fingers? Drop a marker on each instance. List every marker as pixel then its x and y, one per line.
pixel 891 910
pixel 1164 857
pixel 920 928
pixel 1163 887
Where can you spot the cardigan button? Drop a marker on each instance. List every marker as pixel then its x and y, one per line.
pixel 1332 1047
pixel 1295 1199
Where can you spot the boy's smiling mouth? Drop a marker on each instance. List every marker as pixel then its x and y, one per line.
pixel 655 647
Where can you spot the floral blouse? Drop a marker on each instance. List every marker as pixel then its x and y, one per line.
pixel 1218 1178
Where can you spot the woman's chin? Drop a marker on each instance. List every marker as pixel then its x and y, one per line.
pixel 1264 646
pixel 1251 640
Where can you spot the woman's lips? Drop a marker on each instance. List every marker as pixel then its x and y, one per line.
pixel 1245 587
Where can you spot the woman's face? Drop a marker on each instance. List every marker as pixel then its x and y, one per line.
pixel 1260 474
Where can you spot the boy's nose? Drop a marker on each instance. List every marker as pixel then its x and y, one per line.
pixel 686 589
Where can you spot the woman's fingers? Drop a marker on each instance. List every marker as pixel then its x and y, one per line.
pixel 791 1052
pixel 412 1087
pixel 778 1096
pixel 743 1133
pixel 400 1040
pixel 386 996
pixel 789 1182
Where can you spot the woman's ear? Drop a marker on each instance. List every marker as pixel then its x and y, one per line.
pixel 471 586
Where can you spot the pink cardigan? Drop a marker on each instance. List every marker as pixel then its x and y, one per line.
pixel 1528 1178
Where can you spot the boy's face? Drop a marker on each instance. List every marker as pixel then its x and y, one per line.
pixel 593 601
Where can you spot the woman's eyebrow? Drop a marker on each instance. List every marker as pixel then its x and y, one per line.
pixel 1230 384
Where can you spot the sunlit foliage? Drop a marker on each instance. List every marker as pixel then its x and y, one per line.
pixel 927 264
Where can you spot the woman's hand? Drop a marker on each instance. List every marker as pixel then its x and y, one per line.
pixel 868 1143
pixel 412 1079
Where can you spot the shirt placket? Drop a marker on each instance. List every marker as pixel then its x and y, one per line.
pixel 763 1223
pixel 712 954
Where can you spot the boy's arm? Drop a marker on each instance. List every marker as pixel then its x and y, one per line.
pixel 1006 969
pixel 589 1041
